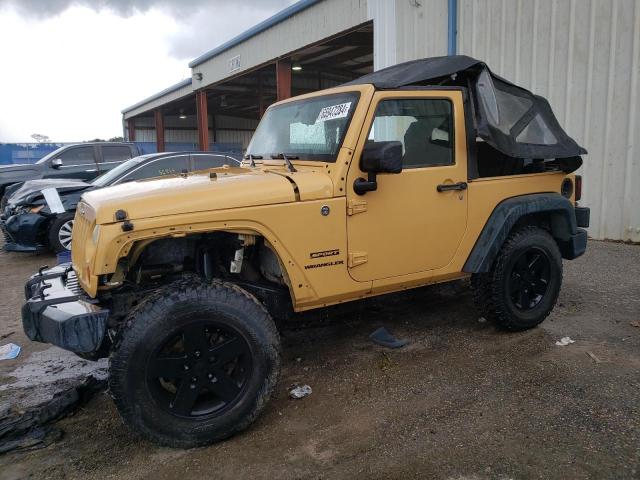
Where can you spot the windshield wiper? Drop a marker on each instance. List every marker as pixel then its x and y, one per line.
pixel 287 159
pixel 253 158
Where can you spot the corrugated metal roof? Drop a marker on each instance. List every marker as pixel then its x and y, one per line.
pixel 166 91
pixel 261 27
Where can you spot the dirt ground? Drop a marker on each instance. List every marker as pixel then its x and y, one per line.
pixel 462 401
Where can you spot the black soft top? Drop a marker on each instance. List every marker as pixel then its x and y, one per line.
pixel 508 117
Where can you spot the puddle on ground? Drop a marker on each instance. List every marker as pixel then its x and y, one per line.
pixel 44 373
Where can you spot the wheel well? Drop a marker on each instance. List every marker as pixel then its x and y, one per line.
pixel 550 211
pixel 245 259
pixel 554 222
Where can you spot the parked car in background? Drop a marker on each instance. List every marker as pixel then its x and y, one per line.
pixel 82 161
pixel 39 215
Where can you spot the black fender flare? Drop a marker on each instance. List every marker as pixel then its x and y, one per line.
pixel 557 209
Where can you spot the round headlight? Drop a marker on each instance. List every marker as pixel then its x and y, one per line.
pixel 567 188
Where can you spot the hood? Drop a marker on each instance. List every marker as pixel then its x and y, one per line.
pixel 231 188
pixel 18 173
pixel 30 192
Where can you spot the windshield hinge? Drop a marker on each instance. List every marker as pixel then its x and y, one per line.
pixel 357 258
pixel 356 206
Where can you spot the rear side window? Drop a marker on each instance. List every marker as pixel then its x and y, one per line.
pixel 204 161
pixel 423 126
pixel 115 153
pixel 159 168
pixel 77 156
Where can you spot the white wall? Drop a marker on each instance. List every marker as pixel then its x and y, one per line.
pixel 407 30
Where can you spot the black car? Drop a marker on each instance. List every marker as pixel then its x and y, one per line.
pixel 39 214
pixel 83 161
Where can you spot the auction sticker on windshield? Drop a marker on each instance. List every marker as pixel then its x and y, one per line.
pixel 333 112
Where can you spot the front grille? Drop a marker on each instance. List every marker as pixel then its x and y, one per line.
pixel 73 284
pixel 82 231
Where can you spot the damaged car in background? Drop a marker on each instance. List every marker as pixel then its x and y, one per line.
pixel 82 161
pixel 39 213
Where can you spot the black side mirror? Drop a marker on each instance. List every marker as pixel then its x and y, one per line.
pixel 378 157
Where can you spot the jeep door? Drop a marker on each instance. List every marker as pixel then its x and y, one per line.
pixel 78 162
pixel 415 220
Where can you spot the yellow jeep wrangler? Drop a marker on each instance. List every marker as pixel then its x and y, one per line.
pixel 425 172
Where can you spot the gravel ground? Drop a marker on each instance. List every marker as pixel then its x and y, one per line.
pixel 462 401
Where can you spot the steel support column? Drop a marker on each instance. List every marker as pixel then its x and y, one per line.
pixel 159 122
pixel 202 118
pixel 131 128
pixel 283 79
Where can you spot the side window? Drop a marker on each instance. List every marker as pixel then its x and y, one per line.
pixel 115 153
pixel 158 168
pixel 77 156
pixel 204 161
pixel 423 126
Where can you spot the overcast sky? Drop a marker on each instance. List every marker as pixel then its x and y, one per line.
pixel 70 66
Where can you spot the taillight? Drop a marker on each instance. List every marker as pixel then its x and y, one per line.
pixel 578 187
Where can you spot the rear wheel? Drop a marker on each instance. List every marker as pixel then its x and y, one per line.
pixel 61 232
pixel 196 363
pixel 523 285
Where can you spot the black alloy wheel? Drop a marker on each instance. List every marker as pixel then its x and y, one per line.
pixel 522 287
pixel 201 370
pixel 194 363
pixel 529 279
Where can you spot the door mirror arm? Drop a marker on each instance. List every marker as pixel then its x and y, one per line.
pixel 362 186
pixel 378 157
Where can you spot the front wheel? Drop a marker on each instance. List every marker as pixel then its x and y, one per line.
pixel 61 232
pixel 523 285
pixel 196 363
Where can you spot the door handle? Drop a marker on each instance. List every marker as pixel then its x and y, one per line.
pixel 446 187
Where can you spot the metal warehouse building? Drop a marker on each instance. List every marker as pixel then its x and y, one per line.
pixel 583 55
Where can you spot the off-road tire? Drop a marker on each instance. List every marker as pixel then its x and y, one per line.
pixel 491 291
pixel 54 231
pixel 3 201
pixel 180 305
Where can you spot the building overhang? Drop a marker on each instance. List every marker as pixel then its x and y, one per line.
pixel 170 94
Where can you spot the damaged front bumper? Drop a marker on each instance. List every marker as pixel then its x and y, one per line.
pixel 23 232
pixel 57 311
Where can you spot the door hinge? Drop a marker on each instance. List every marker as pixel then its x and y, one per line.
pixel 356 206
pixel 357 258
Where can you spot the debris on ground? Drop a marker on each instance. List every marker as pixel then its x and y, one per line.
pixel 9 351
pixel 6 335
pixel 482 320
pixel 30 429
pixel 385 362
pixel 300 391
pixel 635 324
pixel 594 358
pixel 384 337
pixel 564 341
